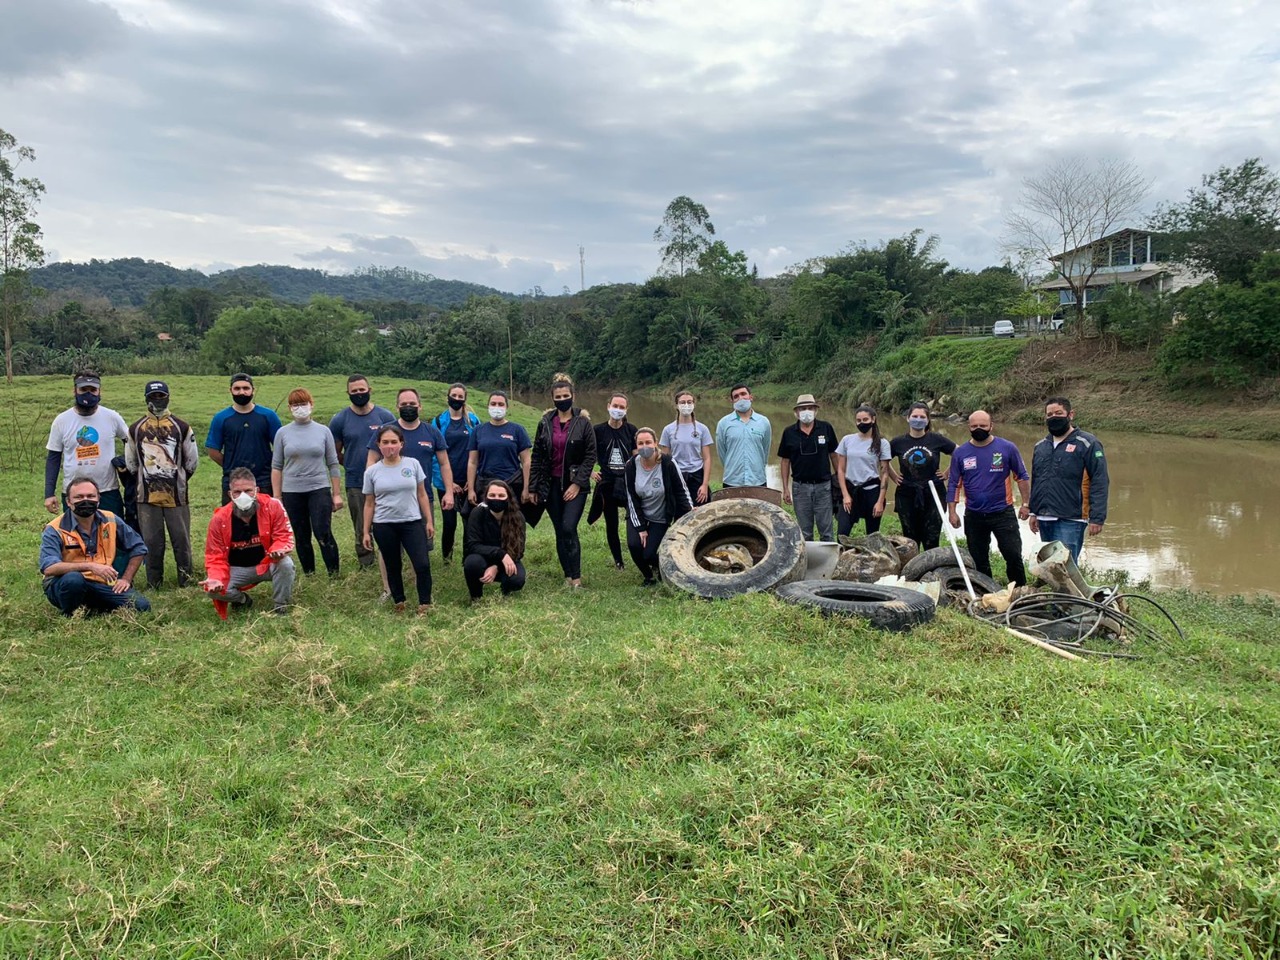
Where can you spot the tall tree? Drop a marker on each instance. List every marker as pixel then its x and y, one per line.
pixel 684 233
pixel 20 248
pixel 1226 226
pixel 1068 207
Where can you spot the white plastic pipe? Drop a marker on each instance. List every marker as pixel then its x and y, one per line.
pixel 951 538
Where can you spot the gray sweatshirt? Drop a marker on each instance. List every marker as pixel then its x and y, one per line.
pixel 305 455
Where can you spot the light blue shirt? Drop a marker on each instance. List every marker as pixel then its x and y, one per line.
pixel 744 447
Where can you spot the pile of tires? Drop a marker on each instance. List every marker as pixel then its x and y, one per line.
pixel 767 532
pixel 940 564
pixel 888 608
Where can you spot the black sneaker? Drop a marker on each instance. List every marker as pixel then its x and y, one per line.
pixel 619 565
pixel 649 582
pixel 244 603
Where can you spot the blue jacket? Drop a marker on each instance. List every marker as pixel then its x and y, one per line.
pixel 1070 481
pixel 441 423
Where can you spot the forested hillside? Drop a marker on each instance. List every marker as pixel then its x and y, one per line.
pixel 131 281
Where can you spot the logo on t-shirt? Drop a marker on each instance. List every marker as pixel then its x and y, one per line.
pixel 507 436
pixel 1071 448
pixel 997 459
pixel 971 463
pixel 822 438
pixel 87 443
pixel 406 472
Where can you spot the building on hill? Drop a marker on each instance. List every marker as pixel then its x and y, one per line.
pixel 1131 256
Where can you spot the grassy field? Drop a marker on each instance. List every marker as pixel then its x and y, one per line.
pixel 610 773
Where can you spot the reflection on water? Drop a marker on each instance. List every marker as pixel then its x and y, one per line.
pixel 1183 512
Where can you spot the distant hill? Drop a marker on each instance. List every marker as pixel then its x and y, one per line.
pixel 130 281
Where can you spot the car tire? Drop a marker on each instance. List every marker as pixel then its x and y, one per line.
pixel 885 607
pixel 932 560
pixel 770 534
pixel 953 580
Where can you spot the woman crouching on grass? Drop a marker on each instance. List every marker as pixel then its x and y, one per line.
pixel 657 496
pixel 397 514
pixel 493 543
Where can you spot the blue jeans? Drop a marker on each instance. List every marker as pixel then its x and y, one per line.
pixel 70 591
pixel 1069 532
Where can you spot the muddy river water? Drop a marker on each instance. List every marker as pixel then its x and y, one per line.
pixel 1195 513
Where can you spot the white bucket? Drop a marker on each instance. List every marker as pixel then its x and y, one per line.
pixel 821 559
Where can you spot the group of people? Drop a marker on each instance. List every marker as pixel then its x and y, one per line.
pixel 283 483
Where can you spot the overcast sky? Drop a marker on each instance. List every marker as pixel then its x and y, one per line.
pixel 484 140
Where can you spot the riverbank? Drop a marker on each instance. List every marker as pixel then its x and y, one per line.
pixel 1114 390
pixel 616 771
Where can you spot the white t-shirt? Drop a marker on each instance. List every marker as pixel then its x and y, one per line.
pixel 686 442
pixel 861 467
pixel 87 445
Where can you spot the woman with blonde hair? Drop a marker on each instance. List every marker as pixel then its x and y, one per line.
pixel 306 478
pixel 564 454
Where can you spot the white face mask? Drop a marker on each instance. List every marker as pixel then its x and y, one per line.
pixel 244 501
pixel 807 416
pixel 301 412
pixel 686 409
pixel 497 413
pixel 617 413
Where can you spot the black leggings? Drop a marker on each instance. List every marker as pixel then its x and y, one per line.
pixel 693 481
pixel 646 557
pixel 412 536
pixel 864 505
pixel 565 515
pixel 312 513
pixel 449 522
pixel 473 568
pixel 610 509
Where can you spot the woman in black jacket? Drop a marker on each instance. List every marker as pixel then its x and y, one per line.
pixel 657 496
pixel 564 454
pixel 615 445
pixel 493 542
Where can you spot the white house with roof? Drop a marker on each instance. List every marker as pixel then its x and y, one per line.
pixel 1130 256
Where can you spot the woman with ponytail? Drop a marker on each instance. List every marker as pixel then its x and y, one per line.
pixel 564 454
pixel 862 461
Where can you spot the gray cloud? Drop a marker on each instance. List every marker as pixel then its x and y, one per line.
pixel 491 139
pixel 41 39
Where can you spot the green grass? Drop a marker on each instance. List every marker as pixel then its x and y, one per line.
pixel 614 773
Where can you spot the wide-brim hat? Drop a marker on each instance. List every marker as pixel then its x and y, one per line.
pixel 805 400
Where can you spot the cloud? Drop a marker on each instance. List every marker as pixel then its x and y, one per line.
pixel 492 139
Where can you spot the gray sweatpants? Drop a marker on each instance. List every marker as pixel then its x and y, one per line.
pixel 355 507
pixel 152 522
pixel 813 505
pixel 282 574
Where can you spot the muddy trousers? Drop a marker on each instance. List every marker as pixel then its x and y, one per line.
pixel 645 556
pixel 309 513
pixel 919 516
pixel 152 523
pixel 978 528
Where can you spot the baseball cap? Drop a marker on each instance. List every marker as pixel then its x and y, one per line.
pixel 156 386
pixel 237 377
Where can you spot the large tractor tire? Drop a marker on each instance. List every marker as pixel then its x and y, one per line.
pixel 767 532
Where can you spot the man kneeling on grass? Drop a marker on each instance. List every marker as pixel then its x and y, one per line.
pixel 249 542
pixel 89 556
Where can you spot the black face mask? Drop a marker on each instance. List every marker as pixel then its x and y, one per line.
pixel 240 400
pixel 85 508
pixel 359 399
pixel 979 434
pixel 408 414
pixel 1058 426
pixel 456 404
pixel 563 405
pixel 87 401
pixel 495 505
pixel 865 427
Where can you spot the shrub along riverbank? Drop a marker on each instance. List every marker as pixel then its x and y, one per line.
pixel 614 772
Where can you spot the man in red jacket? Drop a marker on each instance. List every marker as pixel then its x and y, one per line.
pixel 249 542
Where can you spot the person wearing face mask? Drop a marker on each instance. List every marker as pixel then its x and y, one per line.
pixel 398 515
pixel 241 436
pixel 89 556
pixel 743 439
pixel 564 455
pixel 1069 480
pixel 493 543
pixel 498 450
pixel 456 422
pixel 82 443
pixel 657 497
pixel 807 454
pixel 862 468
pixel 919 453
pixel 352 428
pixel 688 442
pixel 615 445
pixel 248 542
pixel 306 478
pixel 985 468
pixel 161 453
